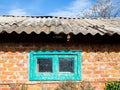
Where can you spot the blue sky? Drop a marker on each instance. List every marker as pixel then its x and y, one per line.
pixel 43 7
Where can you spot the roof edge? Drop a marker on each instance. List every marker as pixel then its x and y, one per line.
pixel 59 17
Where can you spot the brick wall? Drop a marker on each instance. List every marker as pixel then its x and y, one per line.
pixel 100 57
pixel 100 63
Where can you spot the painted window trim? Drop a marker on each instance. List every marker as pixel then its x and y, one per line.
pixel 55 76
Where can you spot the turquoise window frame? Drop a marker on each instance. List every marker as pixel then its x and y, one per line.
pixel 34 75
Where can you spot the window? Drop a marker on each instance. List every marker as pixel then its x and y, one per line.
pixel 55 65
pixel 44 64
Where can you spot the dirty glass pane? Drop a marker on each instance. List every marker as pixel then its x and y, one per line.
pixel 66 65
pixel 44 64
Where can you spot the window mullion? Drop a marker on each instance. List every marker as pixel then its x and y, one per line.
pixel 55 64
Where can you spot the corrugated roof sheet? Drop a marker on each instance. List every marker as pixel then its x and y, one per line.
pixel 58 25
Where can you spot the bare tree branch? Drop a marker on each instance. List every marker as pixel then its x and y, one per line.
pixel 103 8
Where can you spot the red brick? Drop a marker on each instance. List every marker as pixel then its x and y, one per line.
pixel 111 71
pixel 25 61
pixel 14 69
pixel 87 65
pixel 8 73
pixel 13 61
pixel 25 69
pixel 8 65
pixel 21 81
pixel 87 71
pixel 116 75
pixel 112 79
pixel 11 53
pixel 8 57
pixel 93 75
pixel 3 61
pixel 20 65
pixel 7 81
pixel 1 52
pixel 23 73
pixel 3 68
pixel 98 71
pixel 3 77
pixel 104 75
pixel 5 88
pixel 13 77
pixel 20 57
pixel 100 79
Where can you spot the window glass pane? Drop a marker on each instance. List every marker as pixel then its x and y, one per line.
pixel 66 65
pixel 44 64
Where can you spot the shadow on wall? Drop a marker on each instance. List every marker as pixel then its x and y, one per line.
pixel 87 43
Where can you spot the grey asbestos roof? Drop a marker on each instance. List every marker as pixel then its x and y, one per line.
pixel 58 25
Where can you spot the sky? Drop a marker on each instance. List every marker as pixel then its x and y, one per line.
pixel 43 7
